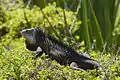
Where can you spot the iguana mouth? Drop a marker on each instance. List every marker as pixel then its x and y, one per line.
pixel 24 34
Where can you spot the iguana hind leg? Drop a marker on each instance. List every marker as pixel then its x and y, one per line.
pixel 75 66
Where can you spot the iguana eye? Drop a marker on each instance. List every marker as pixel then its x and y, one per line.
pixel 42 38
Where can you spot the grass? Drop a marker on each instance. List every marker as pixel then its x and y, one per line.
pixel 17 63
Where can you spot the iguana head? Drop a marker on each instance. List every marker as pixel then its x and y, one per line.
pixel 32 35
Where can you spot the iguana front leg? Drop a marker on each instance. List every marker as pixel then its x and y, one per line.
pixel 38 53
pixel 75 66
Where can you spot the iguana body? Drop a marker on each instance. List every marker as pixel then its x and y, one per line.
pixel 56 50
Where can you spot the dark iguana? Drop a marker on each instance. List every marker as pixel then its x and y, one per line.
pixel 56 50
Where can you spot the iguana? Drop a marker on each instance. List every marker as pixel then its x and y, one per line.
pixel 56 50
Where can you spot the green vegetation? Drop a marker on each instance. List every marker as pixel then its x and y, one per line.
pixel 79 24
